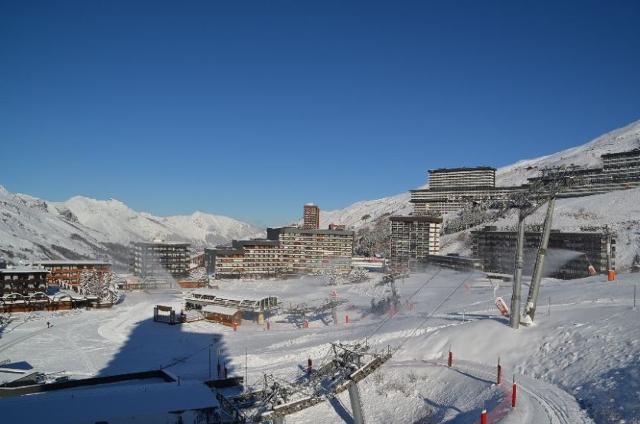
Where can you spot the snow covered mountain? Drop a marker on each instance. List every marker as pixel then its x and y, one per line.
pixel 32 228
pixel 622 139
pixel 118 223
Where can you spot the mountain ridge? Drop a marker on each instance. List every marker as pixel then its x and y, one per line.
pixel 82 227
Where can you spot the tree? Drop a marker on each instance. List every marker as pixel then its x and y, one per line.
pixel 99 284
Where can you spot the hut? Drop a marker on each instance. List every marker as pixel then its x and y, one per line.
pixel 222 314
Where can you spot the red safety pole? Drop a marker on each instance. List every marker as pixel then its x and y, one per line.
pixel 309 365
pixel 499 377
pixel 346 319
pixel 450 360
pixel 483 417
pixel 514 393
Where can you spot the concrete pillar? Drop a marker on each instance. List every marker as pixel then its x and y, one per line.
pixel 356 404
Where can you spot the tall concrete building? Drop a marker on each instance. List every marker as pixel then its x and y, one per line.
pixel 480 176
pixel 452 189
pixel 311 217
pixel 158 259
pixel 413 239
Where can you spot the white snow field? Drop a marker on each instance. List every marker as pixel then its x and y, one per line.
pixel 580 363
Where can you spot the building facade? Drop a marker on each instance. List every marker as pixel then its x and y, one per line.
pixel 257 258
pixel 67 273
pixel 159 259
pixel 311 217
pixel 23 280
pixel 285 251
pixel 224 262
pixel 481 176
pixel 619 171
pixel 310 251
pixel 413 238
pixel 452 189
pixel 569 254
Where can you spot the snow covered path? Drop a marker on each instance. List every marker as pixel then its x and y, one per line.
pixel 587 348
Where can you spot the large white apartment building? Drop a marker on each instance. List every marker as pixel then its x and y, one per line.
pixel 451 189
pixel 481 176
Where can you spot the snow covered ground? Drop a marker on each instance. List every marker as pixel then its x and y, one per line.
pixel 579 364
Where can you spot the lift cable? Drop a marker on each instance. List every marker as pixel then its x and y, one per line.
pixel 390 317
pixel 430 314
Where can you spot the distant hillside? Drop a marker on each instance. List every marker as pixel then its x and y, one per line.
pixel 32 228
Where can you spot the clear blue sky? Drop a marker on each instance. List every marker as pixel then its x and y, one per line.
pixel 251 109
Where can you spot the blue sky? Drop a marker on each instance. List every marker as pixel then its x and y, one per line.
pixel 251 109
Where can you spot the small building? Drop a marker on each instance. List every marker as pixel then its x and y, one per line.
pixel 369 263
pixel 23 280
pixel 252 307
pixel 67 273
pixel 222 314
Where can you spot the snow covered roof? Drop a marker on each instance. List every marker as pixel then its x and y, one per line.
pixel 71 262
pixel 114 403
pixel 222 310
pixel 23 269
pixel 231 297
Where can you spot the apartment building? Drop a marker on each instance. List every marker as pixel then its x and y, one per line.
pixel 569 254
pixel 413 239
pixel 619 171
pixel 311 217
pixel 311 251
pixel 480 176
pixel 224 262
pixel 23 280
pixel 67 273
pixel 286 250
pixel 452 189
pixel 160 259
